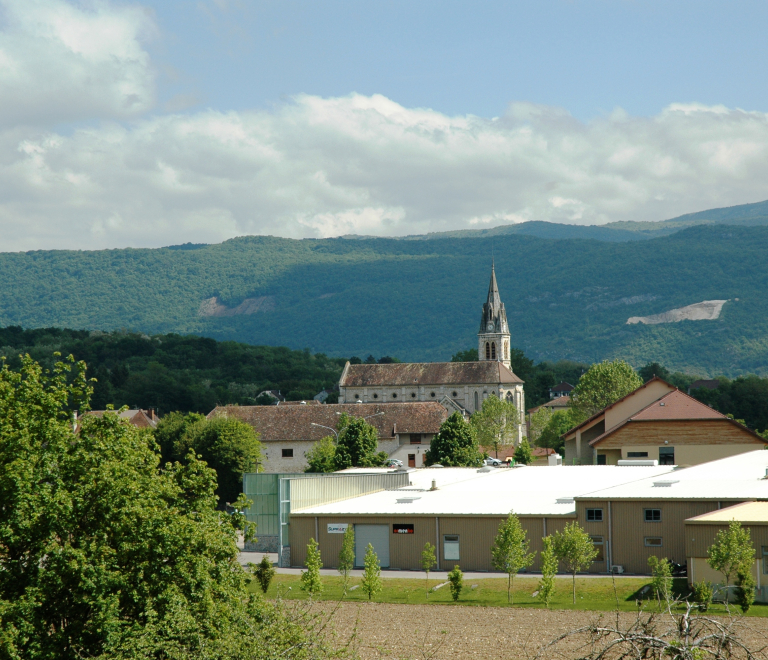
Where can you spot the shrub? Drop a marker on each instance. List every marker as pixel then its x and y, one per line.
pixel 264 572
pixel 456 578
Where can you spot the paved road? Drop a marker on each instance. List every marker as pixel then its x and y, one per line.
pixel 255 557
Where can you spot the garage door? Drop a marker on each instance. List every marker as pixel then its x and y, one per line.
pixel 378 537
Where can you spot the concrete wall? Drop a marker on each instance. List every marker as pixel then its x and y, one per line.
pixel 476 536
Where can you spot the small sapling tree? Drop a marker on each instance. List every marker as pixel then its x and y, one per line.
pixel 548 571
pixel 371 582
pixel 428 562
pixel 264 572
pixel 574 549
pixel 310 579
pixel 661 570
pixel 523 453
pixel 731 551
pixel 509 552
pixel 347 555
pixel 456 578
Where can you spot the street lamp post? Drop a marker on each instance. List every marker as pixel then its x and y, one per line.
pixel 322 426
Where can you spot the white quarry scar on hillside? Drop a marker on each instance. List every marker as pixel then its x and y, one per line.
pixel 707 310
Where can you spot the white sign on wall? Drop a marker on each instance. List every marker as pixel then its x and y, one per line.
pixel 337 528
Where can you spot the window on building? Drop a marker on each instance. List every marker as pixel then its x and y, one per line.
pixel 476 406
pixel 601 459
pixel 765 559
pixel 637 454
pixel 487 351
pixel 415 438
pixel 493 350
pixel 594 515
pixel 413 395
pixel 357 396
pixel 653 542
pixel 454 394
pixel 666 455
pixel 432 394
pixel 394 395
pixel 597 542
pixel 652 515
pixel 375 396
pixel 451 547
pixel 287 453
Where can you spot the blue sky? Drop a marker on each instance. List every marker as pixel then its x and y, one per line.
pixel 145 123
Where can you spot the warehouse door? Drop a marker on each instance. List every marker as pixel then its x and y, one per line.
pixel 378 537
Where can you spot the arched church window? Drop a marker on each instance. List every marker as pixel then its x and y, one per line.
pixel 487 351
pixel 493 350
pixel 477 407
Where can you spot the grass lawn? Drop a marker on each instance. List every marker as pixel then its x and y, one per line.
pixel 591 594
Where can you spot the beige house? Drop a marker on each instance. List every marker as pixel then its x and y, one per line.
pixel 658 422
pixel 288 432
pixel 458 386
pixel 700 533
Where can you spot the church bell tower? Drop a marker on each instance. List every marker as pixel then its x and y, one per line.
pixel 493 338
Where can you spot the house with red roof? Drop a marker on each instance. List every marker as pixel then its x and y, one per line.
pixel 658 422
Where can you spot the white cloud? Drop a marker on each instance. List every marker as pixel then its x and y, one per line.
pixel 318 167
pixel 60 62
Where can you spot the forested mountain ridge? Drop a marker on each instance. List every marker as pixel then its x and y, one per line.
pixel 419 299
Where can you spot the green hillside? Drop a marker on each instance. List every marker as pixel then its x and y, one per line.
pixel 419 299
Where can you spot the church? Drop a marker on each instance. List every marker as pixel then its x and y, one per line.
pixel 458 386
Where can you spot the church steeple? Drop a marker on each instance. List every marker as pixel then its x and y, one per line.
pixel 493 337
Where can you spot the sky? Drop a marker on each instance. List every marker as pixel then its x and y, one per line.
pixel 142 124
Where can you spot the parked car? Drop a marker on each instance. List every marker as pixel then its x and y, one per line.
pixel 493 462
pixel 394 462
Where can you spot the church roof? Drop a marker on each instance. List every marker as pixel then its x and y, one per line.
pixel 426 373
pixel 494 315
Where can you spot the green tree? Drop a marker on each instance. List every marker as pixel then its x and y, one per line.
pixel 169 432
pixel 661 582
pixel 347 554
pixel 574 549
pixel 702 594
pixel 456 578
pixel 322 456
pixel 548 571
pixel 731 551
pixel 653 369
pixel 551 435
pixel 264 572
pixel 745 587
pixel 310 579
pixel 104 552
pixel 495 423
pixel 227 445
pixel 371 582
pixel 603 384
pixel 523 453
pixel 357 443
pixel 428 561
pixel 537 423
pixel 455 445
pixel 470 355
pixel 509 552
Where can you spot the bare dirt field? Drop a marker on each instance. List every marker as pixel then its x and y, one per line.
pixel 438 632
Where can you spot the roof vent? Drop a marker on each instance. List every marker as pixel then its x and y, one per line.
pixel 565 500
pixel 662 403
pixel 665 483
pixel 407 500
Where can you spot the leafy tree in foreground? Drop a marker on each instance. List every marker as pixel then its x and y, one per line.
pixel 456 578
pixel 509 552
pixel 661 570
pixel 495 423
pixel 731 551
pixel 574 548
pixel 347 554
pixel 322 456
pixel 428 561
pixel 104 553
pixel 538 421
pixel 310 579
pixel 264 572
pixel 603 384
pixel 523 453
pixel 548 571
pixel 371 582
pixel 455 445
pixel 357 443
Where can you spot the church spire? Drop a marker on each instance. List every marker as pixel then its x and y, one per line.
pixel 493 337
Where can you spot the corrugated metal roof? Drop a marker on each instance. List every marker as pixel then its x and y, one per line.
pixel 755 513
pixel 740 477
pixel 531 491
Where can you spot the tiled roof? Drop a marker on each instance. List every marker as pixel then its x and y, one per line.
pixel 560 402
pixel 562 387
pixel 280 423
pixel 426 373
pixel 676 405
pixel 136 417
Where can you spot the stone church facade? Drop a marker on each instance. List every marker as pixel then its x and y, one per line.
pixel 458 386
